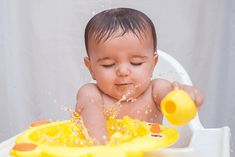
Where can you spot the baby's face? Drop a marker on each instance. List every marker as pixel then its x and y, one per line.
pixel 122 65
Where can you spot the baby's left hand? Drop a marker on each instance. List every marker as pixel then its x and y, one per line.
pixel 195 93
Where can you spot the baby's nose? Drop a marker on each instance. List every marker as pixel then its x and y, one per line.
pixel 123 70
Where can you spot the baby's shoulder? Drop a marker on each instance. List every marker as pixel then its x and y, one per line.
pixel 89 90
pixel 161 84
pixel 88 96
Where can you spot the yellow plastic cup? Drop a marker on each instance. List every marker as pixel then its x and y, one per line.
pixel 178 107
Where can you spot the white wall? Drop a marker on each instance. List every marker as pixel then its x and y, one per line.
pixel 41 50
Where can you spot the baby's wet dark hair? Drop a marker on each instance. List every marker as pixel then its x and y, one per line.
pixel 104 24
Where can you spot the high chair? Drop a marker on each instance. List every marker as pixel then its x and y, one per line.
pixel 194 141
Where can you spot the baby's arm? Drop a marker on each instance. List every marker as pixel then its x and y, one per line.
pixel 89 106
pixel 161 87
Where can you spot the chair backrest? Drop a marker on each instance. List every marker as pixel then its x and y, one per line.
pixel 170 69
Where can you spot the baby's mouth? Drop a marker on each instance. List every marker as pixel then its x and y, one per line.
pixel 124 87
pixel 123 84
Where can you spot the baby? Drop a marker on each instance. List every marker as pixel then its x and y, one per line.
pixel 121 47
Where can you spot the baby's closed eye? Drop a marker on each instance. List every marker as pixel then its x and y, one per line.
pixel 137 61
pixel 107 63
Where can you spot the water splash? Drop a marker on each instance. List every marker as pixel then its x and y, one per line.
pixel 113 111
pixel 93 13
pixel 77 120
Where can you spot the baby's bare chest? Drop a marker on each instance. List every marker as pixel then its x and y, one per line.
pixel 143 108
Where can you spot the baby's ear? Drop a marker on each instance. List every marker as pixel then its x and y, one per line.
pixel 87 62
pixel 155 58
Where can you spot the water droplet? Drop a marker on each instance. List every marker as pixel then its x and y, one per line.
pixel 104 137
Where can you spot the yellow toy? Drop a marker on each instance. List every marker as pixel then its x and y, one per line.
pixel 178 107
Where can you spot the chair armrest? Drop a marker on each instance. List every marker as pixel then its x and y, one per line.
pixel 211 142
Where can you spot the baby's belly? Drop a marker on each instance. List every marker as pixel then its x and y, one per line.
pixel 146 115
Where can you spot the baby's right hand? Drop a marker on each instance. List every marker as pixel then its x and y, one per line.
pixel 195 94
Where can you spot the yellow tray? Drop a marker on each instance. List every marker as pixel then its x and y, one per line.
pixel 65 139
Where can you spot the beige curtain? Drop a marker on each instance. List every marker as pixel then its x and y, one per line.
pixel 42 49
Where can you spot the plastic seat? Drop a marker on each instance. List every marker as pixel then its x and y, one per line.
pixel 195 140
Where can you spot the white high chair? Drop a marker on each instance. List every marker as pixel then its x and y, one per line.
pixel 195 140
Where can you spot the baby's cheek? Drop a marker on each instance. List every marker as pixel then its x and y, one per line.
pixel 105 82
pixel 143 75
pixel 104 75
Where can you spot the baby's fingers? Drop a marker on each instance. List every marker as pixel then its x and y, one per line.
pixel 186 88
pixel 199 98
pixel 176 85
pixel 195 94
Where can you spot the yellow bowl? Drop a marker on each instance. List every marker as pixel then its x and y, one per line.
pixel 127 137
